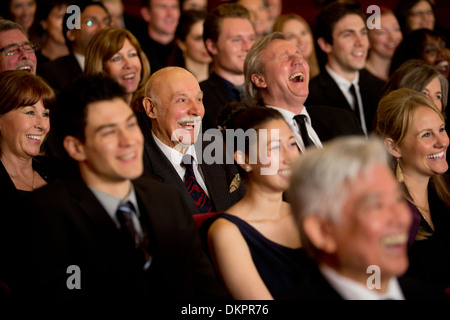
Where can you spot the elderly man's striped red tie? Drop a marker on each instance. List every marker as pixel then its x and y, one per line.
pixel 199 196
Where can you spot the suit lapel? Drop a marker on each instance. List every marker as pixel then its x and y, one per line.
pixel 332 91
pixel 161 169
pixel 92 209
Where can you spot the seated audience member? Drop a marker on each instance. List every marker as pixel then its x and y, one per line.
pixel 297 30
pixel 354 225
pixel 255 245
pixel 25 100
pixel 275 8
pixel 228 35
pixel 118 53
pixel 341 34
pixel 47 30
pixel 414 134
pixel 19 11
pixel 115 52
pixel 418 14
pixel 426 45
pixel 177 153
pixel 200 5
pixel 115 10
pixel 259 15
pixel 156 34
pixel 276 75
pixel 16 50
pixel 93 17
pixel 189 38
pixel 130 237
pixel 419 76
pixel 383 42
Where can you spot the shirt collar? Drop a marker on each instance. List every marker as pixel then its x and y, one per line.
pixel 349 289
pixel 173 155
pixel 341 81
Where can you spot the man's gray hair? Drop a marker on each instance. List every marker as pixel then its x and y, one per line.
pixel 319 178
pixel 6 25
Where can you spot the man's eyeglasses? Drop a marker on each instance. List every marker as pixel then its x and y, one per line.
pixel 14 48
pixel 93 22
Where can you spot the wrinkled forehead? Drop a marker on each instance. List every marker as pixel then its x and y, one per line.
pixel 12 36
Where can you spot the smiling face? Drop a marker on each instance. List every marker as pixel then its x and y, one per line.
pixel 125 67
pixel 194 47
pixel 235 39
pixel 286 76
pixel 276 149
pixel 385 40
pixel 178 111
pixel 420 16
pixel 112 152
pixel 434 53
pixel 23 12
pixel 163 16
pixel 433 91
pixel 348 53
pixel 24 129
pixel 423 151
pixel 373 228
pixel 24 60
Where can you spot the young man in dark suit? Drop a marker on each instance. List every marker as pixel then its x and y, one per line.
pixel 276 75
pixel 354 224
pixel 228 35
pixel 111 233
pixel 343 82
pixel 173 102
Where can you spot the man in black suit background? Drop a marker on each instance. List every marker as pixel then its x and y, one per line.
pixel 276 75
pixel 228 35
pixel 354 224
pixel 148 251
pixel 173 101
pixel 93 17
pixel 341 33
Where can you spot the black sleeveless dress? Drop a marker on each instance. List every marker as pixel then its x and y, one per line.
pixel 280 267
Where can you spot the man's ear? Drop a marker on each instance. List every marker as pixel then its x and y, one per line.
pixel 258 80
pixel 324 45
pixel 320 232
pixel 211 46
pixel 74 148
pixel 145 14
pixel 150 107
pixel 71 35
pixel 392 148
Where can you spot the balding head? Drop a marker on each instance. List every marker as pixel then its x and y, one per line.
pixel 174 102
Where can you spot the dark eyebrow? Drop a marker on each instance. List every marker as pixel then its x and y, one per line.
pixel 112 125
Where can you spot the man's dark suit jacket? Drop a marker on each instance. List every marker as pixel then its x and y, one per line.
pixel 215 97
pixel 217 177
pixel 331 122
pixel 323 90
pixel 60 72
pixel 314 286
pixel 71 227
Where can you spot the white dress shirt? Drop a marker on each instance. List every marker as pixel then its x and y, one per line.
pixel 289 117
pixel 175 158
pixel 349 289
pixel 345 85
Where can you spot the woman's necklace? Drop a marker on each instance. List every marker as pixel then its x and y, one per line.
pixel 32 181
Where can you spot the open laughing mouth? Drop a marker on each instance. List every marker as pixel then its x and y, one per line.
pixel 296 77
